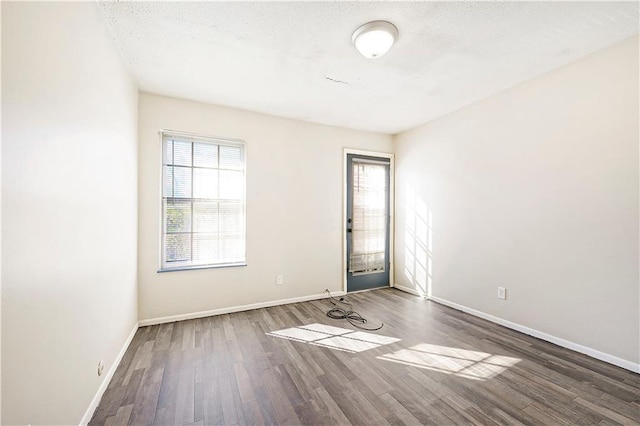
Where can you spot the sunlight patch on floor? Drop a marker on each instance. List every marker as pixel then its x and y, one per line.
pixel 334 337
pixel 448 360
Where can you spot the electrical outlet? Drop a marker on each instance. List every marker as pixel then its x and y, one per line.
pixel 279 280
pixel 100 368
pixel 502 293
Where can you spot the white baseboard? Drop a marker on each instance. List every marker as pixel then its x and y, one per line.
pixel 240 308
pixel 409 290
pixel 107 378
pixel 594 353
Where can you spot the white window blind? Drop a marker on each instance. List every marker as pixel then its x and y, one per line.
pixel 203 202
pixel 369 228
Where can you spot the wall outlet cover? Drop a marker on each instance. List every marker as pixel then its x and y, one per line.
pixel 502 293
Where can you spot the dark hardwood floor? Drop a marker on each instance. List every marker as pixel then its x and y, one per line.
pixel 429 364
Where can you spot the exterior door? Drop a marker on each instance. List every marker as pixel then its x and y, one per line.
pixel 367 222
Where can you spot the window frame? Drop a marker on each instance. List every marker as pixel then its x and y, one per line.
pixel 193 137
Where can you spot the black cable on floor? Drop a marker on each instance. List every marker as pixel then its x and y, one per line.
pixel 354 318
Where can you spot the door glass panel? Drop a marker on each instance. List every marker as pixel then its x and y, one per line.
pixel 369 218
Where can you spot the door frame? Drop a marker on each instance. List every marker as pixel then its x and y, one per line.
pixel 391 157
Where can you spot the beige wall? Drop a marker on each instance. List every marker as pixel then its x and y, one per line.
pixel 0 225
pixel 69 199
pixel 534 189
pixel 294 208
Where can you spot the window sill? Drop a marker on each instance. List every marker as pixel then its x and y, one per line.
pixel 191 268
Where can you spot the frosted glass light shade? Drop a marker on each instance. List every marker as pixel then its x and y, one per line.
pixel 374 39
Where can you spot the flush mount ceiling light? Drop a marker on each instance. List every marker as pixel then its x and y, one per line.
pixel 375 38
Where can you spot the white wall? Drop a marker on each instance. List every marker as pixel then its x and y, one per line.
pixel 534 189
pixel 69 198
pixel 294 207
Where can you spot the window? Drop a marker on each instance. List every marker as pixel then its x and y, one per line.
pixel 370 195
pixel 203 202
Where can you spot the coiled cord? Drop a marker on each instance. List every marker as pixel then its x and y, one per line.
pixel 350 315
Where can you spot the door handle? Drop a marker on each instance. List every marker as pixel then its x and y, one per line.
pixel 348 226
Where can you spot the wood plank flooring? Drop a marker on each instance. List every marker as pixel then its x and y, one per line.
pixel 429 364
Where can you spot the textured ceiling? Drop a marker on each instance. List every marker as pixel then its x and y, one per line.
pixel 295 59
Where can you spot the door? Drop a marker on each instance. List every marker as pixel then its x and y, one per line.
pixel 367 222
